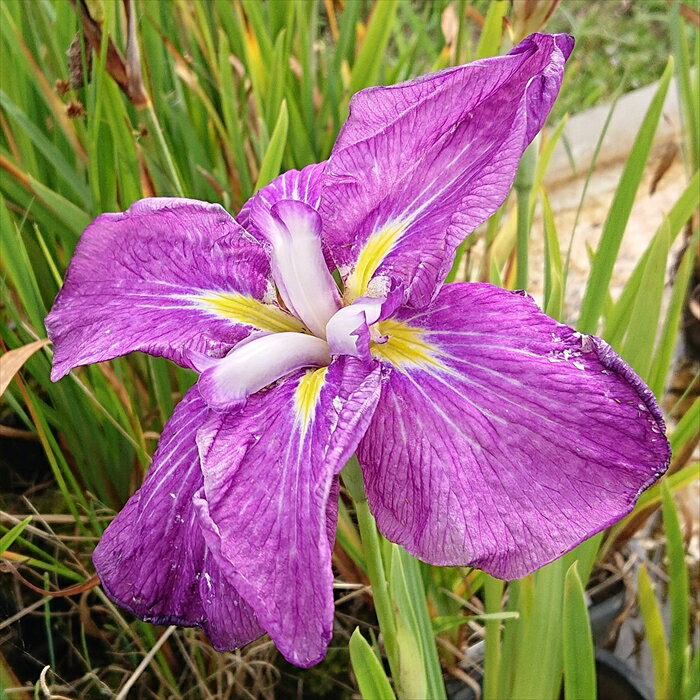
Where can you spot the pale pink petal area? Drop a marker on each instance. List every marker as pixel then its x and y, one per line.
pixel 502 438
pixel 166 277
pixel 269 472
pixel 419 165
pixel 152 559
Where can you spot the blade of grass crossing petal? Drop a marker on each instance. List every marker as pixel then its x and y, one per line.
pixel 579 660
pixel 492 32
pixel 643 321
pixel 375 567
pixel 619 212
pixel 586 554
pixel 162 388
pixel 549 141
pixel 663 355
pixel 366 67
pixel 655 634
pixel 678 594
pixel 348 538
pixel 369 673
pixel 457 263
pixel 553 273
pixel 650 498
pixel 673 482
pixel 270 166
pixel 523 185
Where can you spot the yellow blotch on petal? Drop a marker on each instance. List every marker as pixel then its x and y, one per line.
pixel 376 248
pixel 306 395
pixel 249 311
pixel 405 347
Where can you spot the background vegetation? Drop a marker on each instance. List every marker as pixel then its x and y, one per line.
pixel 224 95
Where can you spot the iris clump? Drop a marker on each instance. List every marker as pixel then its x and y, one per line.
pixel 489 435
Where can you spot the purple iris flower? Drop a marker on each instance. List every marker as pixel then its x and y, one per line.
pixel 489 434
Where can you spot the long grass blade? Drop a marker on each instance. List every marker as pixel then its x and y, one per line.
pixel 618 215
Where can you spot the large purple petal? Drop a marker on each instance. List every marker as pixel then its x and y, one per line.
pixel 503 438
pixel 152 559
pixel 419 165
pixel 268 472
pixel 167 277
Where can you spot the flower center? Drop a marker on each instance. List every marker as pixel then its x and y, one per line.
pixel 308 289
pixel 293 230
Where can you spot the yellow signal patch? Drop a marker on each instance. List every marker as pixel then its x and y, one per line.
pixel 405 347
pixel 306 395
pixel 249 311
pixel 378 246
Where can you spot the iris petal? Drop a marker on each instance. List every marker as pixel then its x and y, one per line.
pixel 140 280
pixel 269 472
pixel 419 165
pixel 515 440
pixel 152 559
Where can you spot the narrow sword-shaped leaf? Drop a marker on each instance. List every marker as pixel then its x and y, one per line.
pixel 654 632
pixel 678 595
pixel 370 676
pixel 579 660
pixel 618 215
pixel 270 166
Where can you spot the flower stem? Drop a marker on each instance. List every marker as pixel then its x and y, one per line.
pixel 371 544
pixel 524 180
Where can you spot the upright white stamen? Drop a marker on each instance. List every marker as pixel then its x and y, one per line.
pixel 293 229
